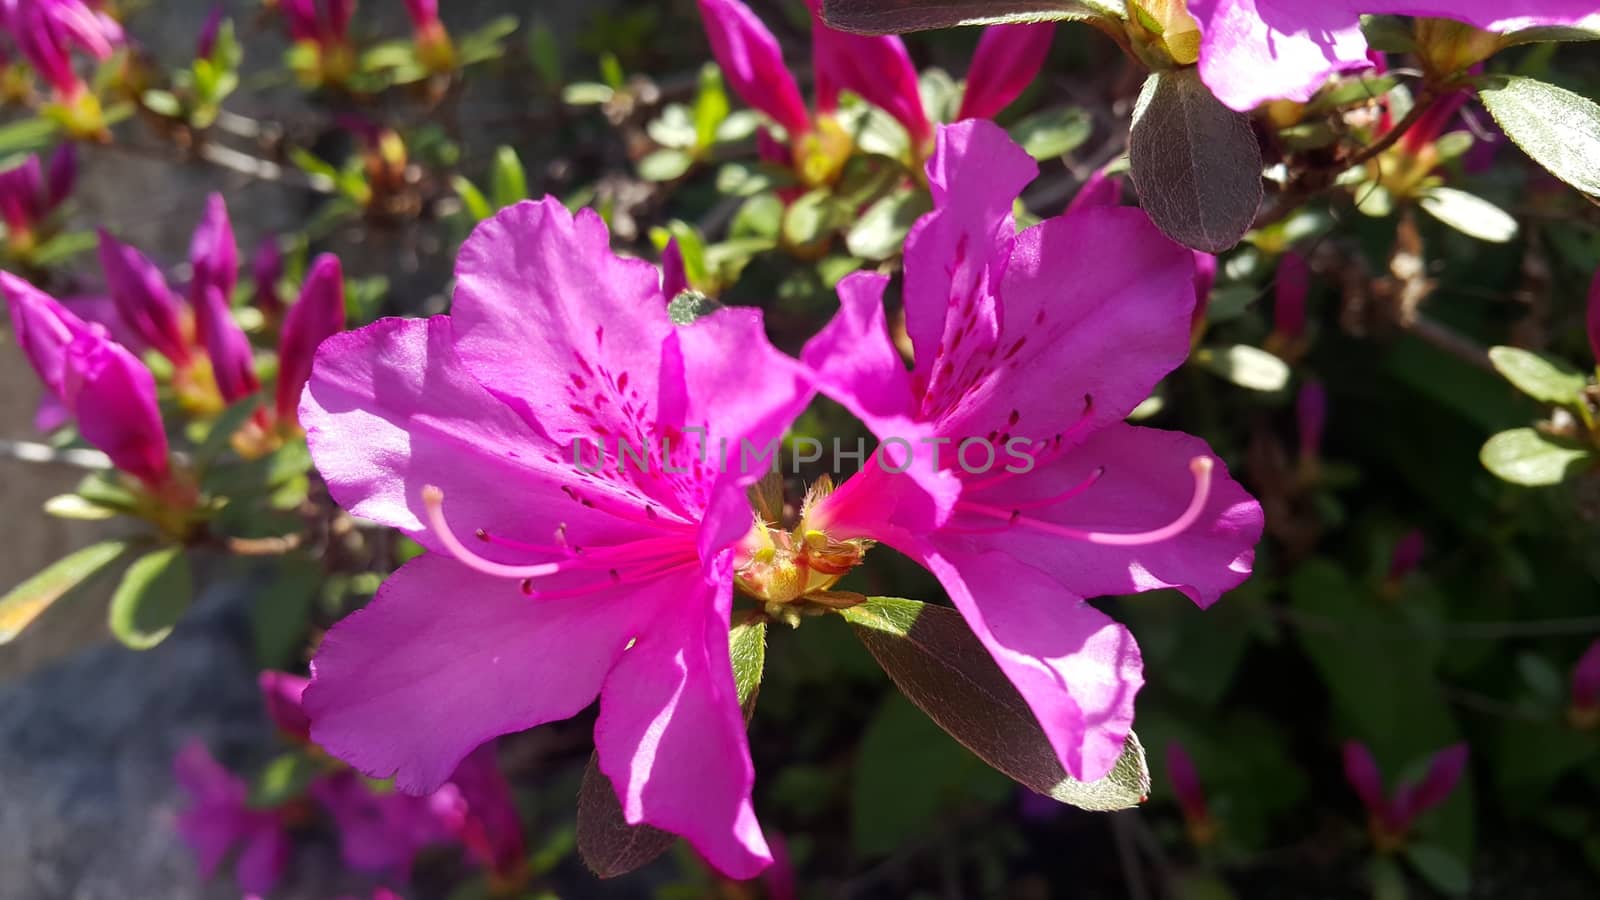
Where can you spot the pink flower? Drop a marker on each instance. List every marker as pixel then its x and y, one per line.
pixel 213 253
pixel 1007 60
pixel 491 828
pixel 752 61
pixel 315 317
pixel 381 832
pixel 424 13
pixel 674 278
pixel 46 31
pixel 218 821
pixel 1253 51
pixel 322 22
pixel 206 43
pixel 614 582
pixel 144 299
pixel 97 380
pixel 1095 307
pixel 214 256
pixel 1100 190
pixel 1392 817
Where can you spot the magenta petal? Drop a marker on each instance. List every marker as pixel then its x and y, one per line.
pixel 283 695
pixel 380 832
pixel 492 829
pixel 213 820
pixel 753 63
pixel 232 359
pixel 113 397
pixel 143 298
pixel 1492 15
pixel 1586 679
pixel 556 324
pixel 1077 669
pixel 975 174
pixel 671 736
pixel 1253 51
pixel 213 254
pixel 1097 310
pixel 1144 483
pixel 263 859
pixel 1592 319
pixel 389 409
pixel 42 327
pixel 878 69
pixel 445 658
pixel 1100 190
pixel 854 362
pixel 1007 60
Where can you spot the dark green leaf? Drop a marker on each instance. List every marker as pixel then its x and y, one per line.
pixel 935 660
pixel 1526 457
pixel 747 646
pixel 23 603
pixel 881 231
pixel 281 613
pixel 1194 162
pixel 1560 130
pixel 223 428
pixel 545 53
pixel 898 16
pixel 153 595
pixel 1540 376
pixel 1440 869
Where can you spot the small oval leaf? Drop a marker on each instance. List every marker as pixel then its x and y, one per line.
pixel 1544 378
pixel 1560 130
pixel 1526 457
pixel 1470 214
pixel 1248 367
pixel 1195 163
pixel 898 16
pixel 939 665
pixel 153 594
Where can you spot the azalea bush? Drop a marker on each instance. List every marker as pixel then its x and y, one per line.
pixel 1136 448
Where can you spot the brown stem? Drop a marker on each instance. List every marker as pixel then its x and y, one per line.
pixel 1418 110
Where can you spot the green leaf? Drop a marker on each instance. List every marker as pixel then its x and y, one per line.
pixel 939 665
pixel 476 204
pixel 1440 868
pixel 545 53
pixel 1194 162
pixel 281 613
pixel 665 165
pixel 587 93
pixel 710 106
pixel 1391 34
pixel 284 779
pixel 812 218
pixel 1540 376
pixel 508 183
pixel 162 103
pixel 1470 214
pixel 153 594
pixel 27 135
pixel 1560 130
pixel 674 128
pixel 881 231
pixel 63 247
pixel 1053 132
pixel 1248 367
pixel 77 508
pixel 898 16
pixel 747 646
pixel 25 602
pixel 223 429
pixel 1526 457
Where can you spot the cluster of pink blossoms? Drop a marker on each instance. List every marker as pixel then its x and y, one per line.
pixel 380 831
pixel 547 585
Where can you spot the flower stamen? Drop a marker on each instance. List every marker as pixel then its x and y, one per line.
pixel 1201 467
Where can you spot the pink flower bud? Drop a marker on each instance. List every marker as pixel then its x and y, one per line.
pixel 43 329
pixel 1407 555
pixel 1593 317
pixel 23 195
pixel 1007 60
pixel 1100 190
pixel 282 694
pixel 1434 121
pixel 1444 773
pixel 143 299
pixel 213 253
pixel 43 41
pixel 1586 680
pixel 1361 770
pixel 424 13
pixel 753 63
pixel 492 828
pixel 315 317
pixel 1289 308
pixel 266 270
pixel 1311 413
pixel 303 20
pixel 232 361
pixel 674 279
pixel 206 44
pixel 878 69
pixel 1186 784
pixel 113 397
